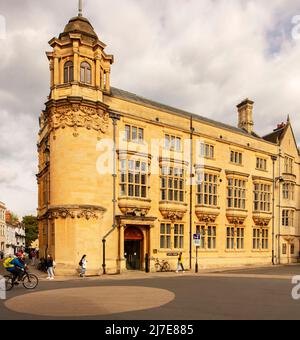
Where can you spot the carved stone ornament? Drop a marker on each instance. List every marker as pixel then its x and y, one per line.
pixel 235 219
pixel 172 212
pixel 206 214
pixel 207 218
pixel 172 215
pixel 85 212
pixel 262 221
pixel 137 208
pixel 79 116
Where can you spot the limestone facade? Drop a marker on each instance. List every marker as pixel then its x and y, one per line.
pixel 122 178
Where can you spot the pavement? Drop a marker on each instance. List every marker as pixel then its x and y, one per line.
pixel 281 272
pixel 263 293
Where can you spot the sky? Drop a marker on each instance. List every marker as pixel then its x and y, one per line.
pixel 201 56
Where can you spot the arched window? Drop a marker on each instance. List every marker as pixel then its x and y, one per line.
pixel 85 73
pixel 68 72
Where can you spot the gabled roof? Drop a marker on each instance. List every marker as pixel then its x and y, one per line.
pixel 121 94
pixel 276 136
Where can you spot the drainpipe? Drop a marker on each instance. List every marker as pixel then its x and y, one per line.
pixel 114 118
pixel 191 189
pixel 274 158
pixel 279 203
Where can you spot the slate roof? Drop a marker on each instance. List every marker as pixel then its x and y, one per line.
pixel 276 135
pixel 121 94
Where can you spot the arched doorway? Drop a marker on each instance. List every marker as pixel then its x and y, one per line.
pixel 133 248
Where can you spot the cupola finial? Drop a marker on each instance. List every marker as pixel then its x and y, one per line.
pixel 80 8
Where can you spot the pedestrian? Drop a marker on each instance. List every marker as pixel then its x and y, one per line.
pixel 33 257
pixel 50 267
pixel 180 263
pixel 82 264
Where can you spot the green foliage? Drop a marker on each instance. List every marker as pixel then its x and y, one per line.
pixel 31 228
pixel 14 218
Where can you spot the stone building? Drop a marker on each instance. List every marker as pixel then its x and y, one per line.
pixel 2 229
pixel 121 176
pixel 15 235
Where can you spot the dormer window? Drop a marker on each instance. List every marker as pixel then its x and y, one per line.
pixel 86 73
pixel 68 72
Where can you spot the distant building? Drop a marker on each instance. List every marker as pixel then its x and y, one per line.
pixel 15 235
pixel 2 229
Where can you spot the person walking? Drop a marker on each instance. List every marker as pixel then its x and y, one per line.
pixel 180 263
pixel 82 264
pixel 33 257
pixel 50 267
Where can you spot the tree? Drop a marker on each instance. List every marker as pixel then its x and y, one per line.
pixel 14 218
pixel 31 229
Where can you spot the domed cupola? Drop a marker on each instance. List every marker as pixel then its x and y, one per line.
pixel 79 25
pixel 78 63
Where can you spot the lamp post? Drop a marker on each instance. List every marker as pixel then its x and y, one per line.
pixel 196 266
pixel 274 159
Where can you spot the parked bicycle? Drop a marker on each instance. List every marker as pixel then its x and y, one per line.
pixel 162 266
pixel 28 280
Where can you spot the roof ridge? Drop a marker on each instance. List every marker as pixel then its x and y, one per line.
pixel 157 104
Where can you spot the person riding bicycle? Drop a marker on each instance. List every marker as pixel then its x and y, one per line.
pixel 16 267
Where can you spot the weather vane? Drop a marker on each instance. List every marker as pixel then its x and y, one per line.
pixel 80 8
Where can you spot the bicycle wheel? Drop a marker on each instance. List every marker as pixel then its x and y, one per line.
pixel 157 267
pixel 8 283
pixel 167 267
pixel 30 281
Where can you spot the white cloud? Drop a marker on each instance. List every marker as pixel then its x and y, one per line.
pixel 202 56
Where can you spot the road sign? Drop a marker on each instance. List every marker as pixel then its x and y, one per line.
pixel 197 240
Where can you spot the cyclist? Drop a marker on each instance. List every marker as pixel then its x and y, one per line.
pixel 16 268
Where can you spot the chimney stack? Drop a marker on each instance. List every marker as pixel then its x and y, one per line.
pixel 245 110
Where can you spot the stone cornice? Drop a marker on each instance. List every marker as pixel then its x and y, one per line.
pixel 207 167
pixel 74 211
pixel 236 173
pixel 173 160
pixel 76 113
pixel 260 178
pixel 134 153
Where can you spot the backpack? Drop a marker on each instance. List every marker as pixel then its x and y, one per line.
pixel 7 263
pixel 80 263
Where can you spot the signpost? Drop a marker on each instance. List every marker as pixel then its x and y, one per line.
pixel 197 243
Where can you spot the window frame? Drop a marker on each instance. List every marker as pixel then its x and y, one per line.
pixel 262 193
pixel 68 72
pixel 172 142
pixel 209 235
pixel 261 164
pixel 236 157
pixel 131 130
pixel 133 180
pixel 86 73
pixel 236 194
pixel 207 150
pixel 207 188
pixel 172 183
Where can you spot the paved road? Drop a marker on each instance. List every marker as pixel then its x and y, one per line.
pixel 183 297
